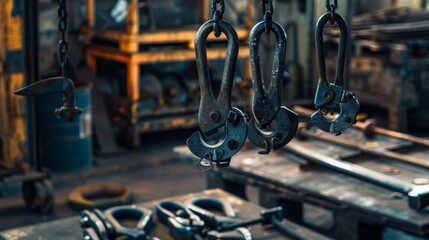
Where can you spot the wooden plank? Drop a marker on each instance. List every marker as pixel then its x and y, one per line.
pixel 90 13
pixel 113 54
pixel 69 228
pixel 204 10
pixel 162 37
pixel 13 119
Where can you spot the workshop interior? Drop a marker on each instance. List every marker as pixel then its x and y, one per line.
pixel 214 119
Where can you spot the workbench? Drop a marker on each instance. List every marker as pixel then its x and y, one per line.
pixel 69 228
pixel 358 210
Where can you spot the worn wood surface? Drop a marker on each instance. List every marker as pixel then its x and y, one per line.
pixel 366 202
pixel 69 228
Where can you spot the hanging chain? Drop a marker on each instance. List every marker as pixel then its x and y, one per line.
pixel 331 8
pixel 63 54
pixel 217 15
pixel 268 14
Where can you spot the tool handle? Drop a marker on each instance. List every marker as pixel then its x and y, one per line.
pixel 230 235
pixel 240 224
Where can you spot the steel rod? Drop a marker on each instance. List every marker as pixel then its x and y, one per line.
pixel 305 112
pixel 365 149
pixel 418 196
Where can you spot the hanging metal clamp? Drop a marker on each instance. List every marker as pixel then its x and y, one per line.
pixel 216 113
pixel 273 125
pixel 55 85
pixel 58 84
pixel 331 97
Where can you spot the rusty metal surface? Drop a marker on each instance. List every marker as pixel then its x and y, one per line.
pixel 69 228
pixel 370 202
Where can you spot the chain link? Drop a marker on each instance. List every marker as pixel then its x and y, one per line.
pixel 217 15
pixel 332 9
pixel 63 53
pixel 268 14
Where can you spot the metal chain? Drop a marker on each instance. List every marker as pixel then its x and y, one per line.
pixel 331 8
pixel 63 53
pixel 268 14
pixel 217 15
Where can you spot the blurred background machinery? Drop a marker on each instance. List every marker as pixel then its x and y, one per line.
pixel 143 54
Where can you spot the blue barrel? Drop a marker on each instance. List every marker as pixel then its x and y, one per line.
pixel 66 146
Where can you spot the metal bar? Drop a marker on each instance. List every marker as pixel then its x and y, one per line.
pixel 292 230
pixel 418 196
pixel 365 149
pixel 305 112
pixel 31 46
pixel 310 48
pixel 349 17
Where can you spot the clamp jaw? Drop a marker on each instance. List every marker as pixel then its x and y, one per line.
pixel 331 97
pixel 55 85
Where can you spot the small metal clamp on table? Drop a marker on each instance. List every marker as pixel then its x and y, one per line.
pixel 331 97
pixel 266 106
pixel 97 225
pixel 182 223
pixel 216 112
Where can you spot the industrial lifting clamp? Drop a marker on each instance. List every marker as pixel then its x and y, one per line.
pixel 60 84
pixel 97 225
pixel 266 105
pixel 332 97
pixel 215 113
pixel 55 85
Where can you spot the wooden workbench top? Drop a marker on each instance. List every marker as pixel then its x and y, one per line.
pixel 280 171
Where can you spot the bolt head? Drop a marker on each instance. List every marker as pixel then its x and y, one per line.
pixel 232 144
pixel 215 116
pixel 327 95
pixel 347 119
pixel 84 222
pixel 233 117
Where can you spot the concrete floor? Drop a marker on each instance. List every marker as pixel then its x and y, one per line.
pixel 152 171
